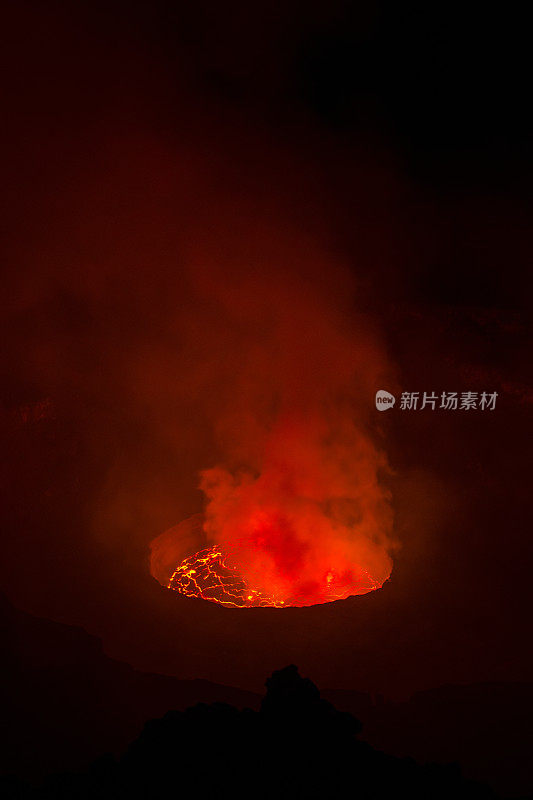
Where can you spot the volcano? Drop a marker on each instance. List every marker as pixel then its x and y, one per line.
pixel 213 574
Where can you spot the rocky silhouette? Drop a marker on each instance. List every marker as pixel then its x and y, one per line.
pixel 66 704
pixel 296 745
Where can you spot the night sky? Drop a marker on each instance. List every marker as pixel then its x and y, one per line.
pixel 170 173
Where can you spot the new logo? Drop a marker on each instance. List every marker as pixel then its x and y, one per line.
pixel 384 400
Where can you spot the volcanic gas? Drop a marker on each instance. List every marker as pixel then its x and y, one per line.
pixel 296 508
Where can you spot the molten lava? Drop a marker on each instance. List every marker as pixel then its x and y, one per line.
pixel 210 575
pixel 213 574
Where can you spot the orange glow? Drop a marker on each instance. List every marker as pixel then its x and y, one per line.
pixel 310 525
pixel 212 574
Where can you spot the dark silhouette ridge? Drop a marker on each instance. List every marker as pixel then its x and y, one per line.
pixel 65 702
pixel 297 745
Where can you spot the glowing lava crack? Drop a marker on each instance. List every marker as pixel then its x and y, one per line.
pixel 211 575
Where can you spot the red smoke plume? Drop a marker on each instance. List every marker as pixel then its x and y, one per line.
pixel 295 496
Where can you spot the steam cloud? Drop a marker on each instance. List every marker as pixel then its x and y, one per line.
pixel 287 371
